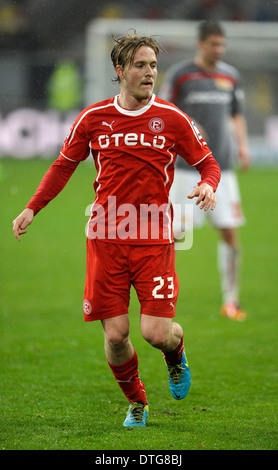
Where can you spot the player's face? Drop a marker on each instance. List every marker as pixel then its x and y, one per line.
pixel 138 79
pixel 212 48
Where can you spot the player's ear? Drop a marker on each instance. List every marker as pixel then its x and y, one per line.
pixel 119 71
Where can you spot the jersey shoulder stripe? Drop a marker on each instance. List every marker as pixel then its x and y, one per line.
pixel 228 70
pixel 166 105
pixel 86 111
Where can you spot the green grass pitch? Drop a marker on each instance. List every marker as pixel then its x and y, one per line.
pixel 57 391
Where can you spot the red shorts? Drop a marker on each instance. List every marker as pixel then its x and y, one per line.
pixel 112 269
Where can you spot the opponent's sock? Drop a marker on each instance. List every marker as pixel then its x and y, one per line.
pixel 228 266
pixel 127 376
pixel 174 357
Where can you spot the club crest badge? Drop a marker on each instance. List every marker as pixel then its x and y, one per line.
pixel 156 125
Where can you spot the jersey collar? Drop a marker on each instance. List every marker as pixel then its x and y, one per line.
pixel 130 112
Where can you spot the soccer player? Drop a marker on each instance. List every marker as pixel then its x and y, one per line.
pixel 208 90
pixel 133 138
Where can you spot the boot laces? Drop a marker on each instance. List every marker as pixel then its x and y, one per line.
pixel 137 410
pixel 175 372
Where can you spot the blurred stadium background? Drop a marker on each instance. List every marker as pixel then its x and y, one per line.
pixel 55 59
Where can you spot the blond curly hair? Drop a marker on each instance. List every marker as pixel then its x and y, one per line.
pixel 125 48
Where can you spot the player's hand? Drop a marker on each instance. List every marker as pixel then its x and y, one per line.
pixel 205 196
pixel 21 223
pixel 244 159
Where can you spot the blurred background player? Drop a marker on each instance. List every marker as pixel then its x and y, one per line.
pixel 208 90
pixel 133 139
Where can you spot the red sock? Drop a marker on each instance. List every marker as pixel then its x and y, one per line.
pixel 127 376
pixel 174 357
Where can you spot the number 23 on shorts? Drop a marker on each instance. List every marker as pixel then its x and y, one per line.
pixel 160 283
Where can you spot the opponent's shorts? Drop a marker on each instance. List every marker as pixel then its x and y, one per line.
pixel 227 213
pixel 113 268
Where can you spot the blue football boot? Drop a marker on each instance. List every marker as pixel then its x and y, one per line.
pixel 179 378
pixel 137 414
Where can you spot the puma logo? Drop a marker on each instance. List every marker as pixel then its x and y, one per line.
pixel 108 125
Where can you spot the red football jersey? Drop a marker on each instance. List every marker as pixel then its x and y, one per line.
pixel 134 153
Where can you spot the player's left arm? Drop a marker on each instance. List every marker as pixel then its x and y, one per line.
pixel 210 176
pixel 205 196
pixel 241 134
pixel 192 147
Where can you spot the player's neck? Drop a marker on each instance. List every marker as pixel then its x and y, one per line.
pixel 202 63
pixel 130 102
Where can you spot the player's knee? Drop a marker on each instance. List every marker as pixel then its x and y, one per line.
pixel 116 332
pixel 117 339
pixel 157 338
pixel 229 236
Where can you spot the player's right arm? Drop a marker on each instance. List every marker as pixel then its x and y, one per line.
pixel 21 223
pixel 55 178
pixel 51 185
